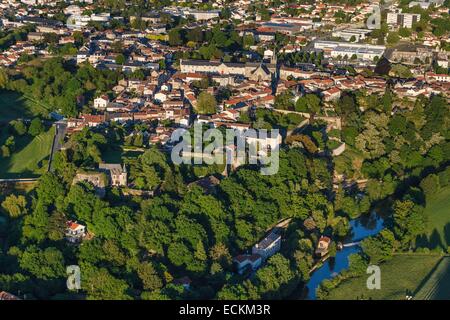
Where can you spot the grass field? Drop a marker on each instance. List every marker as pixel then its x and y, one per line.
pixel 400 276
pixel 14 105
pixel 27 160
pixel 117 155
pixel 437 211
pixel 437 284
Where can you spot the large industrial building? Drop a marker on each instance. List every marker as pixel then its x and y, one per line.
pixel 348 34
pixel 336 49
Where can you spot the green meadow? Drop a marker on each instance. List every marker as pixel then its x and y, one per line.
pixel 30 155
pixel 400 276
pixel 437 211
pixel 29 158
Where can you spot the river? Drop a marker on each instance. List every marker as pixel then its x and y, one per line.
pixel 361 228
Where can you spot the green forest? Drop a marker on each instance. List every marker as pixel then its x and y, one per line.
pixel 139 246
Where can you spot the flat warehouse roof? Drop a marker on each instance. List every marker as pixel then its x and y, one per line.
pixel 359 50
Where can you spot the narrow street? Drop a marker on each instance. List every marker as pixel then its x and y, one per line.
pixel 58 140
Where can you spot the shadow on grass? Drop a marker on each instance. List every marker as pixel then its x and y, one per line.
pixel 7 164
pixel 441 281
pixel 435 240
pixel 428 276
pixel 12 106
pixel 443 290
pixel 447 234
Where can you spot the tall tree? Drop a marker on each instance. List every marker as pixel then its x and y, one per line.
pixel 206 103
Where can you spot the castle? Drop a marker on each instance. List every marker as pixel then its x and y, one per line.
pixel 118 174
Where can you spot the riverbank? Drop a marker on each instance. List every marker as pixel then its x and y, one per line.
pixel 363 227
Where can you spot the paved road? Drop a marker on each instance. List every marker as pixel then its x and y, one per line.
pixel 58 140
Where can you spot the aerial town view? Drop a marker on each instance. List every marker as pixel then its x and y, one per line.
pixel 216 150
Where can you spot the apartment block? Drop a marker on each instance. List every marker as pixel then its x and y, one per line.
pixel 405 20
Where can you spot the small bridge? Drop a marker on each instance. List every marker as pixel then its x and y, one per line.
pixel 351 244
pixel 21 180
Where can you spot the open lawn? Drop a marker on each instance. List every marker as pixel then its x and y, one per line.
pixel 437 284
pixel 13 105
pixel 117 155
pixel 27 160
pixel 401 275
pixel 437 211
